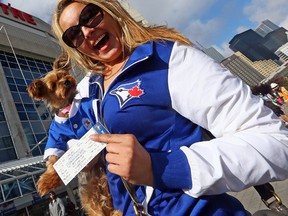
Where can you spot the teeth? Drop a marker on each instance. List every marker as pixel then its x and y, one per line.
pixel 99 39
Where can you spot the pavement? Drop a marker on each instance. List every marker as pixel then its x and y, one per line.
pixel 252 201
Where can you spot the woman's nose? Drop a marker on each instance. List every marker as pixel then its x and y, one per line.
pixel 86 31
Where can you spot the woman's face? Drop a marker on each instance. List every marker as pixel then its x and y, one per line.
pixel 102 42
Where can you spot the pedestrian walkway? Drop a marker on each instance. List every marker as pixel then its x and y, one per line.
pixel 252 201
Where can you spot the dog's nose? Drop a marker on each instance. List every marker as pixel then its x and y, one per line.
pixel 67 83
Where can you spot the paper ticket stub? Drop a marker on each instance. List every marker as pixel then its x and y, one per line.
pixel 79 154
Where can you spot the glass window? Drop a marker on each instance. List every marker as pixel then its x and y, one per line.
pixel 45 115
pixel 31 140
pixel 19 107
pixel 25 97
pixel 2 116
pixel 33 116
pixel 11 190
pixel 22 61
pixel 22 89
pixel 22 116
pixel 24 67
pixel 27 185
pixel 36 75
pixel 6 142
pixel 37 127
pixel 27 128
pixel 40 65
pixel 34 69
pixel 16 97
pixel 13 87
pixel 10 80
pixel 4 64
pixel 29 107
pixel 2 57
pixel 7 154
pixel 20 81
pixel 13 65
pixel 11 59
pixel 27 75
pixel 16 73
pixel 4 129
pixel 43 70
pixel 7 71
pixel 31 63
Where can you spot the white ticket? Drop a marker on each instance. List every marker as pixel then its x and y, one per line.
pixel 79 155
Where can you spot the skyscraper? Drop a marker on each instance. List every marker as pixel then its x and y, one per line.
pixel 266 27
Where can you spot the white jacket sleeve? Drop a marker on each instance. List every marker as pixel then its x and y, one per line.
pixel 251 145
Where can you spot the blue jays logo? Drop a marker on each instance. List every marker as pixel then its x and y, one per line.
pixel 126 92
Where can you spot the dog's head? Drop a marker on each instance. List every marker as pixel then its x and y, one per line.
pixel 57 89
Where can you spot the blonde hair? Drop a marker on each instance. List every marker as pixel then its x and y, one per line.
pixel 133 33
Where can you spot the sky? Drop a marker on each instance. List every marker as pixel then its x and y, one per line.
pixel 205 22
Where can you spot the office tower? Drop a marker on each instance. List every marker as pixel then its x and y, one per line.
pixel 275 39
pixel 251 45
pixel 239 66
pixel 266 27
pixel 213 53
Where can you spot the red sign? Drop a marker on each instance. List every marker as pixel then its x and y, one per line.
pixel 17 14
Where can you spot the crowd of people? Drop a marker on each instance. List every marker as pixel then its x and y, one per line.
pixel 275 97
pixel 153 99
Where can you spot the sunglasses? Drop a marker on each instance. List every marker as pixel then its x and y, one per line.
pixel 90 17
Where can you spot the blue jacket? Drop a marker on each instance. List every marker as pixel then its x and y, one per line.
pixel 138 102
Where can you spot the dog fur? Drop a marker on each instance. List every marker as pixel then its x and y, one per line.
pixel 58 89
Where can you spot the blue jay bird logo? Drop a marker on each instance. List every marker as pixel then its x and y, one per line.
pixel 126 92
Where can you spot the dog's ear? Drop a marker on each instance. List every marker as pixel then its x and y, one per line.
pixel 37 90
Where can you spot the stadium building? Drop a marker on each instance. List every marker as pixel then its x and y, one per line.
pixel 27 51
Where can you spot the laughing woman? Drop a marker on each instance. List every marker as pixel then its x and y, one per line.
pixel 158 92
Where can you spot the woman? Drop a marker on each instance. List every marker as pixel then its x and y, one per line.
pixel 154 104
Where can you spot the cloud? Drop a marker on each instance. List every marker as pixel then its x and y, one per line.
pixel 40 9
pixel 275 11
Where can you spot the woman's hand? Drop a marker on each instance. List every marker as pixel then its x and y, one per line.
pixel 127 158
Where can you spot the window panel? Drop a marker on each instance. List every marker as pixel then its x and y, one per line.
pixel 10 80
pixel 13 88
pixel 16 97
pixel 13 65
pixel 7 71
pixel 4 129
pixel 37 127
pixel 33 116
pixel 19 107
pixel 27 185
pixel 6 142
pixel 7 154
pixel 27 128
pixel 27 74
pixel 4 64
pixel 11 190
pixel 29 107
pixel 16 73
pixel 19 81
pixel 22 116
pixel 26 98
pixel 2 116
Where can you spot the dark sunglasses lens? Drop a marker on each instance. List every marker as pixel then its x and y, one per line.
pixel 91 16
pixel 73 36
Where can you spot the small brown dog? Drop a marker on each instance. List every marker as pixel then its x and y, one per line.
pixel 58 89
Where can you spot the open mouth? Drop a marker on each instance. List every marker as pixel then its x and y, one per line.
pixel 102 41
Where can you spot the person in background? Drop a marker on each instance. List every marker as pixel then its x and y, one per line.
pixel 156 101
pixel 56 206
